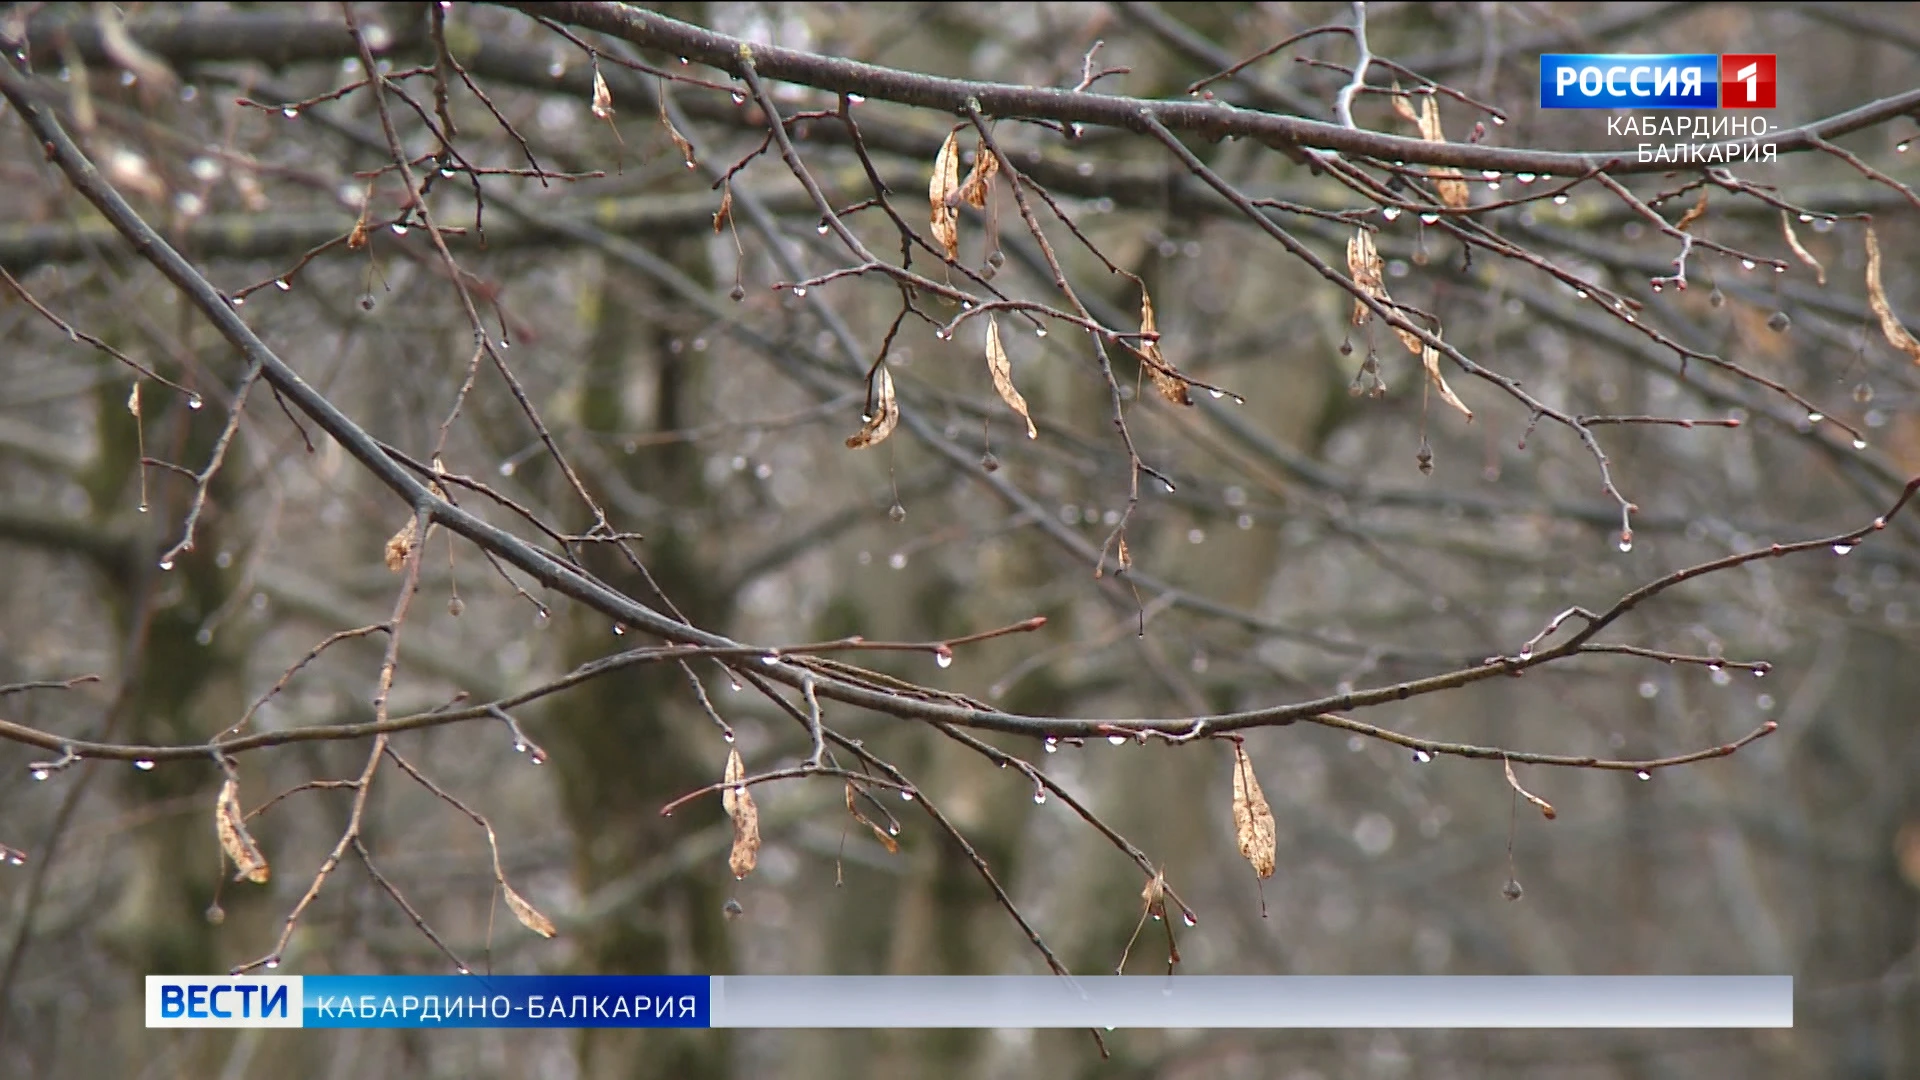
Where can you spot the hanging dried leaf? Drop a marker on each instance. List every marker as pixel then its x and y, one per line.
pixel 400 545
pixel 230 823
pixel 734 772
pixel 1897 335
pixel 746 817
pixel 1368 271
pixel 1799 249
pixel 1123 556
pixel 357 239
pixel 680 141
pixel 133 401
pixel 1430 359
pixel 1166 377
pixel 1252 818
pixel 1403 104
pixel 602 97
pixel 1153 897
pixel 1411 340
pixel 746 838
pixel 528 915
pixel 940 194
pixel 1152 905
pixel 1002 371
pixel 883 412
pixel 886 838
pixel 979 182
pixel 1546 808
pixel 1693 214
pixel 1369 275
pixel 1446 179
pixel 726 208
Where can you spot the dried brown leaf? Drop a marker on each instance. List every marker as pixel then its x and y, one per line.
pixel 680 141
pixel 1430 359
pixel 1446 179
pixel 357 239
pixel 229 822
pixel 1896 334
pixel 979 182
pixel 400 545
pixel 886 838
pixel 1693 214
pixel 738 803
pixel 1411 340
pixel 133 401
pixel 1166 377
pixel 528 915
pixel 1799 250
pixel 883 412
pixel 1153 897
pixel 1368 272
pixel 735 771
pixel 726 208
pixel 1546 808
pixel 940 195
pixel 1002 370
pixel 1369 275
pixel 1252 818
pixel 1403 104
pixel 1451 189
pixel 746 838
pixel 1152 905
pixel 1123 556
pixel 602 97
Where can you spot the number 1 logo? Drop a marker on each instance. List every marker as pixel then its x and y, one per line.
pixel 1747 81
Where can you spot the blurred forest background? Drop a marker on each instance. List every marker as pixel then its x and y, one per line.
pixel 1302 551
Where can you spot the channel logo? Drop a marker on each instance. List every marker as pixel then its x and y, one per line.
pixel 1657 81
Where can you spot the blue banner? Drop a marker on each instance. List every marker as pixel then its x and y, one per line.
pixel 1629 81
